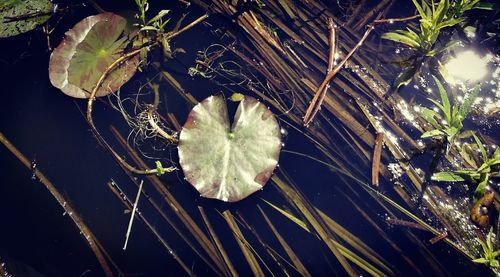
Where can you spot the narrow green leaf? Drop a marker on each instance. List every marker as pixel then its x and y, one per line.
pixel 496 154
pixel 489 238
pixel 449 23
pixel 401 39
pixel 432 133
pixel 447 177
pixel 411 34
pixel 484 6
pixel 481 261
pixel 288 215
pixel 149 28
pixel 483 245
pixel 467 104
pixel 451 132
pixel 430 116
pixel 481 148
pixel 481 187
pixel 446 107
pixel 437 104
pixel 159 16
pixel 419 9
pixel 494 263
pixel 441 11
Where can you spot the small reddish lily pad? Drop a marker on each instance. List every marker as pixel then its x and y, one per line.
pixel 86 52
pixel 229 162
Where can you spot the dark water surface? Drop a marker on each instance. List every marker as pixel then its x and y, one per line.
pixel 48 126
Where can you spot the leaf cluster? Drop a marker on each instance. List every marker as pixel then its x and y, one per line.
pixel 152 30
pixel 434 17
pixel 489 256
pixel 449 121
pixel 422 38
pixel 479 175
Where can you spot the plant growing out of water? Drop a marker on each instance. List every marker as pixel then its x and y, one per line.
pixel 489 255
pixel 154 29
pixel 422 39
pixel 479 175
pixel 229 162
pixel 449 123
pixel 433 19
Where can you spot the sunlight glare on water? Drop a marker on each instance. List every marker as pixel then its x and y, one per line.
pixel 467 66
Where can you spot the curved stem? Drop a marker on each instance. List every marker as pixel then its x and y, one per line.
pixel 90 120
pixel 93 93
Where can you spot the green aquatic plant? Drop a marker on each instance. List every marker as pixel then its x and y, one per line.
pixel 489 255
pixel 449 122
pixel 21 16
pixel 434 17
pixel 479 175
pixel 154 29
pixel 229 162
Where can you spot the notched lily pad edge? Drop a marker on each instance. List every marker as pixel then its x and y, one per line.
pixel 262 177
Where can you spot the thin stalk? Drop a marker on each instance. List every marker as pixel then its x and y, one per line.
pixel 187 27
pixel 309 116
pixel 128 203
pixel 313 109
pixel 170 222
pixel 68 209
pixel 319 226
pixel 252 262
pixel 231 271
pixel 299 266
pixel 270 251
pixel 176 207
pixel 132 215
pixel 376 10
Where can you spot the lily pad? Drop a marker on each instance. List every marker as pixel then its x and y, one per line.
pixel 86 51
pixel 229 162
pixel 21 16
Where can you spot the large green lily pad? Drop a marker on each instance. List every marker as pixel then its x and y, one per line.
pixel 229 162
pixel 86 51
pixel 21 16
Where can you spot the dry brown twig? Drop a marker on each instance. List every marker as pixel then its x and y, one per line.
pixel 315 105
pixel 320 94
pixel 377 152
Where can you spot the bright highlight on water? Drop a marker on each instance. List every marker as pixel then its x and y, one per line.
pixel 467 66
